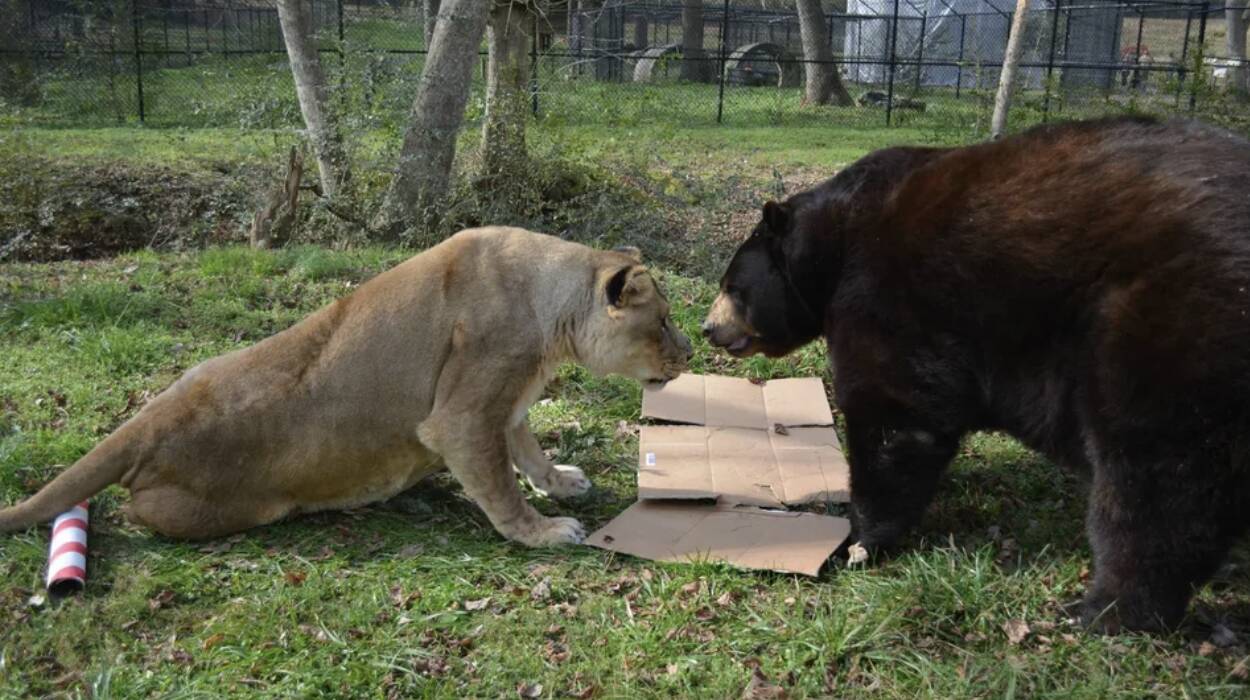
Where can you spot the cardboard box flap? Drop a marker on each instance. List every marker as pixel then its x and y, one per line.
pixel 749 538
pixel 738 403
pixel 742 466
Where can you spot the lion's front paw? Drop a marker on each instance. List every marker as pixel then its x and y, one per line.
pixel 547 532
pixel 564 481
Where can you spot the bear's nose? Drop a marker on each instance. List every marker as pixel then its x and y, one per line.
pixel 707 328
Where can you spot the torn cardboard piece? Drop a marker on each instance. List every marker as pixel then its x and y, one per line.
pixel 745 444
pixel 750 538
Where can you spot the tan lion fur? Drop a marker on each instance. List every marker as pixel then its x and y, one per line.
pixel 431 364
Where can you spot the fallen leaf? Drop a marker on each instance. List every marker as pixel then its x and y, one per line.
pixel 726 599
pixel 856 554
pixel 1242 670
pixel 671 669
pixel 473 605
pixel 410 551
pixel 212 641
pixel 296 578
pixel 526 690
pixel 757 381
pixel 403 600
pixel 759 688
pixel 556 652
pixel 160 600
pixel 1016 630
pixel 35 601
pixel 542 590
pixel 1223 637
pixel 780 429
pixel 585 693
pixel 554 630
pixel 1207 649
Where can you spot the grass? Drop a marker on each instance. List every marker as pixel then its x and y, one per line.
pixel 386 601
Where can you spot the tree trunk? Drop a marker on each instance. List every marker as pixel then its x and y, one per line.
pixel 1006 79
pixel 823 84
pixel 314 95
pixel 430 11
pixel 1235 40
pixel 424 170
pixel 693 67
pixel 508 36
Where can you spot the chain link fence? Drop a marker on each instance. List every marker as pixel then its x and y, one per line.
pixel 921 63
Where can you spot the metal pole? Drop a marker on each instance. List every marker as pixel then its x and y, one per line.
pixel 959 71
pixel 1181 69
pixel 720 98
pixel 1141 21
pixel 924 20
pixel 534 68
pixel 135 25
pixel 1202 53
pixel 889 100
pixel 186 27
pixel 1050 61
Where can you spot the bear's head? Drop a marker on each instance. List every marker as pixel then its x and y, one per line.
pixel 767 303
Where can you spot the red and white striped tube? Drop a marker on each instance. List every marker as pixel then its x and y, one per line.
pixel 67 555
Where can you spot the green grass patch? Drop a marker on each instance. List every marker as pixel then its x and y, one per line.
pixel 386 601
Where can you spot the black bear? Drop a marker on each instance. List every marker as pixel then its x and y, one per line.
pixel 1084 287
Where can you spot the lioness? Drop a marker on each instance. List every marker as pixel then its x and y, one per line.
pixel 433 363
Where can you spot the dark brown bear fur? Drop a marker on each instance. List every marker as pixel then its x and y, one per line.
pixel 1084 287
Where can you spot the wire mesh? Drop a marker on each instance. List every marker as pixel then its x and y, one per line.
pixel 918 63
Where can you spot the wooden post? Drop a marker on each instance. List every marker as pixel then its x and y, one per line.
pixel 1002 101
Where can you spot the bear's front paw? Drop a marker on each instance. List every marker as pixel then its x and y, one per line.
pixel 547 532
pixel 563 481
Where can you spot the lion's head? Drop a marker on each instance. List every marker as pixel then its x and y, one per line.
pixel 629 332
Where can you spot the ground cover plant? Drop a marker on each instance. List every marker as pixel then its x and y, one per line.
pixel 418 597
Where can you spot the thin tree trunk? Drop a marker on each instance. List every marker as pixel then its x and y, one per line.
pixel 1235 21
pixel 1006 79
pixel 692 64
pixel 508 36
pixel 430 10
pixel 314 95
pixel 823 84
pixel 423 173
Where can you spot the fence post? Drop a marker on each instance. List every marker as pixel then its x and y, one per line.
pixel 959 70
pixel 1181 69
pixel 135 25
pixel 534 68
pixel 1199 69
pixel 889 99
pixel 1050 61
pixel 1134 81
pixel 720 97
pixel 924 20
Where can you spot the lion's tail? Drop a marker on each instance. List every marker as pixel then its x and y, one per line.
pixel 102 466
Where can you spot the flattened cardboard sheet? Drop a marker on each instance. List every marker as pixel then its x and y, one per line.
pixel 749 538
pixel 732 402
pixel 733 451
pixel 742 466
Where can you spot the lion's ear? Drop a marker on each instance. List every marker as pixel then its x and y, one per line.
pixel 623 285
pixel 630 251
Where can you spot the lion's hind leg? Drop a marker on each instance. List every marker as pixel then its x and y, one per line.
pixel 175 511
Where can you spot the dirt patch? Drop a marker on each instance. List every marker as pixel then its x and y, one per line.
pixel 53 210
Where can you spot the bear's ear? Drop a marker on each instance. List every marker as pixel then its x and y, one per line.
pixel 776 218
